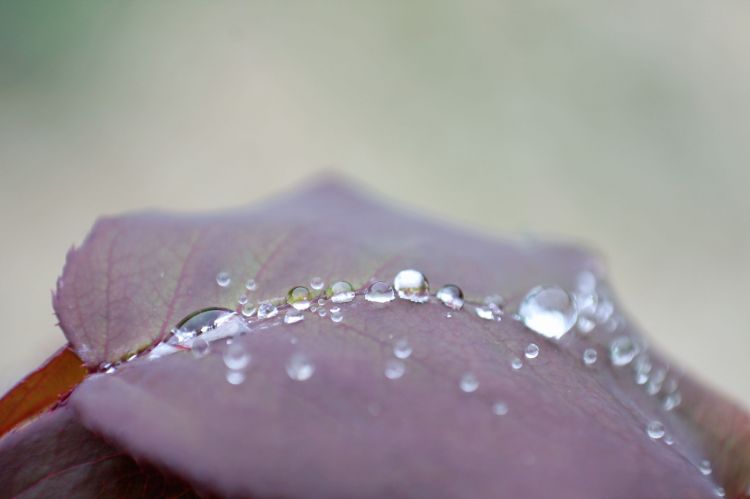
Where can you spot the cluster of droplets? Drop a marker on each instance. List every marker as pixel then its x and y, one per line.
pixel 549 311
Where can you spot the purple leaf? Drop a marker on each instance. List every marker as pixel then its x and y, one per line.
pixel 570 430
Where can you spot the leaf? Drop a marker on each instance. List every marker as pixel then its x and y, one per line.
pixel 41 389
pixel 56 457
pixel 571 431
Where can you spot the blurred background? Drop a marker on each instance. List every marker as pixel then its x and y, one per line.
pixel 622 125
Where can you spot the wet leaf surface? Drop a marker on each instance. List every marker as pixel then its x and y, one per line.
pixel 571 430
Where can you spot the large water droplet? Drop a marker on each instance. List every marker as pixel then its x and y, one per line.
pixel 549 311
pixel 198 323
pixel 200 348
pixel 380 292
pixel 317 283
pixel 250 285
pixel 589 356
pixel 394 368
pixel 402 349
pixel 299 367
pixel 293 316
pixel 223 279
pixel 468 383
pixel 266 310
pixel 412 285
pixel 235 377
pixel 500 408
pixel 299 297
pixel 623 350
pixel 532 351
pixel 655 429
pixel 451 296
pixel 235 357
pixel 340 292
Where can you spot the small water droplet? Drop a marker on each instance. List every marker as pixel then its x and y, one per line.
pixel 242 300
pixel 500 408
pixel 484 313
pixel 668 440
pixel 412 285
pixel 719 491
pixel 394 368
pixel 317 283
pixel 402 349
pixel 223 279
pixel 586 281
pixel 585 324
pixel 469 383
pixel 235 357
pixel 448 315
pixel 495 303
pixel 248 309
pixel 380 292
pixel 299 367
pixel 293 316
pixel 655 381
pixel 623 350
pixel 235 377
pixel 451 296
pixel 516 364
pixel 532 351
pixel 266 310
pixel 299 297
pixel 250 285
pixel 604 310
pixel 655 429
pixel 200 348
pixel 671 401
pixel 549 311
pixel 340 292
pixel 705 467
pixel 589 356
pixel 336 315
pixel 322 312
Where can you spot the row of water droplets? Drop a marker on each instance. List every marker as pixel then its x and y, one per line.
pixel 549 311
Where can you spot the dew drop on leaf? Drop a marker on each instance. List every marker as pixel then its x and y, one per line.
pixel 317 283
pixel 223 279
pixel 199 322
pixel 299 297
pixel 451 296
pixel 235 356
pixel 299 367
pixel 394 369
pixel 235 377
pixel 484 312
pixel 412 285
pixel 589 356
pixel 340 292
pixel 468 383
pixel 622 351
pixel 705 467
pixel 380 292
pixel 532 351
pixel 293 316
pixel 200 348
pixel 655 429
pixel 336 315
pixel 516 364
pixel 500 408
pixel 266 310
pixel 402 349
pixel 549 311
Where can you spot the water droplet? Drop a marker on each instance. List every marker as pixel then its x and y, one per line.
pixel 532 351
pixel 394 368
pixel 719 491
pixel 516 364
pixel 299 367
pixel 484 313
pixel 336 315
pixel 317 283
pixel 200 348
pixel 299 297
pixel 585 324
pixel 451 296
pixel 321 302
pixel 223 279
pixel 495 303
pixel 402 349
pixel 293 316
pixel 250 285
pixel 668 440
pixel 589 356
pixel 655 381
pixel 500 408
pixel 322 312
pixel 266 310
pixel 623 350
pixel 248 309
pixel 655 430
pixel 235 377
pixel 242 300
pixel 340 292
pixel 604 310
pixel 412 285
pixel 705 467
pixel 469 383
pixel 586 281
pixel 671 401
pixel 198 323
pixel 380 292
pixel 235 357
pixel 448 315
pixel 549 311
